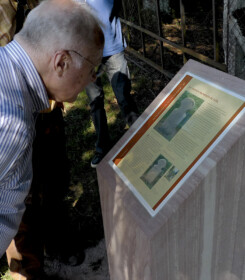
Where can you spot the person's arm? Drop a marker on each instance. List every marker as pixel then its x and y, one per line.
pixel 7 20
pixel 117 7
pixel 15 176
pixel 12 16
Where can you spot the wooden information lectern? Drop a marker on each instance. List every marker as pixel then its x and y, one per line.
pixel 172 189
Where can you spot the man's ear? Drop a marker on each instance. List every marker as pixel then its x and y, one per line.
pixel 61 62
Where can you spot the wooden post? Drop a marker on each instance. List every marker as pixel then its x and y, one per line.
pixel 199 233
pixel 233 39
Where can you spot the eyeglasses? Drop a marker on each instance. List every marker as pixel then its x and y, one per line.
pixel 83 57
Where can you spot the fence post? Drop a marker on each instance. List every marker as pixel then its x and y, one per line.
pixel 160 33
pixel 183 27
pixel 215 32
pixel 142 34
pixel 234 41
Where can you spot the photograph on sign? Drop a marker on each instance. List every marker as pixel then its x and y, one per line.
pixel 175 138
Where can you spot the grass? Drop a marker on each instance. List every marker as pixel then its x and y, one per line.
pixel 83 214
pixel 4 271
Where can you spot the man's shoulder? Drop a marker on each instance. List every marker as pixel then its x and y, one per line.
pixel 12 113
pixel 5 60
pixel 12 103
pixel 9 81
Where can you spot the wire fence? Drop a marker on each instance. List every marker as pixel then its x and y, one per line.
pixel 166 33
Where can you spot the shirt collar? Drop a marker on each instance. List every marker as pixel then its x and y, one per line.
pixel 22 60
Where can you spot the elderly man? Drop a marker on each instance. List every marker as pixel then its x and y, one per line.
pixel 52 57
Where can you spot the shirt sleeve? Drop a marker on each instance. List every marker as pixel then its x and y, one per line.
pixel 15 173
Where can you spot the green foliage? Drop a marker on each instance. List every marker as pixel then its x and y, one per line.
pixel 4 271
pixel 83 197
pixel 6 276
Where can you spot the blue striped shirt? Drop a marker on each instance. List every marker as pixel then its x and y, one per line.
pixel 22 96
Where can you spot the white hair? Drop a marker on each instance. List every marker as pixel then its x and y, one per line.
pixel 61 25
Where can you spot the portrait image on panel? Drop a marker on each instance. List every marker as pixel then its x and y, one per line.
pixel 155 171
pixel 171 173
pixel 178 115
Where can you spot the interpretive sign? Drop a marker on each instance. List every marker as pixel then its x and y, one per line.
pixel 175 138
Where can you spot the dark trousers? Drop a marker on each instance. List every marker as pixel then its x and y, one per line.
pixel 42 221
pixel 116 68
